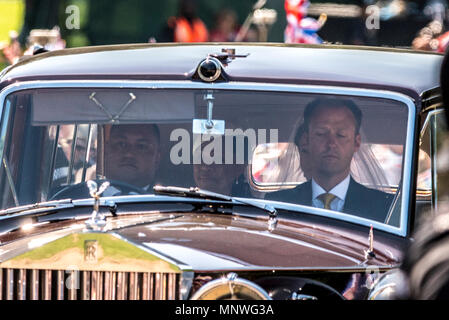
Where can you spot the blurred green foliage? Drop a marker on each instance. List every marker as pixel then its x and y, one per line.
pixel 11 17
pixel 136 21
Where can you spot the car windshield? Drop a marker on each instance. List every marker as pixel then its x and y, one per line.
pixel 338 152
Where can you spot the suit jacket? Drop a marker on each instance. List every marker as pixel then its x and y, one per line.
pixel 360 200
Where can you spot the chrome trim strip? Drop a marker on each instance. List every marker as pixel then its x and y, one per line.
pixel 246 86
pixel 121 286
pixel 47 281
pixel 99 287
pixel 133 283
pixel 157 285
pixel 393 205
pixel 164 277
pixel 171 284
pixel 85 285
pixel 72 290
pixel 22 285
pixel 9 284
pixel 160 286
pixel 351 269
pixel 125 284
pixel 94 286
pixel 34 291
pixel 108 285
pixel 146 286
pixel 60 285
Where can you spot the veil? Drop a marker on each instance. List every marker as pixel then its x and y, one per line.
pixel 285 170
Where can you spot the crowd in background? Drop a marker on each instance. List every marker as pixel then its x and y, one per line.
pixel 187 26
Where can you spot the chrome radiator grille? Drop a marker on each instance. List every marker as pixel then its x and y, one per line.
pixel 27 284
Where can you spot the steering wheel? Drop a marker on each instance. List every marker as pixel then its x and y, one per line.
pixel 81 191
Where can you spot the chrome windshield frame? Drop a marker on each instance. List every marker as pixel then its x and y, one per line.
pixel 267 87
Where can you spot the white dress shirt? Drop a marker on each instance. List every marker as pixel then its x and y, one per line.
pixel 339 191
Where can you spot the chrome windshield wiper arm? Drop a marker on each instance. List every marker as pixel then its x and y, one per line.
pixel 195 192
pixel 49 204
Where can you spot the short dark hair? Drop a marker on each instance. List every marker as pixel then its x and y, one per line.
pixel 313 107
pixel 143 126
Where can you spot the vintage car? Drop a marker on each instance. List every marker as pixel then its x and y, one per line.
pixel 175 171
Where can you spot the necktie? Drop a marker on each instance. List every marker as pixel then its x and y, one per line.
pixel 326 198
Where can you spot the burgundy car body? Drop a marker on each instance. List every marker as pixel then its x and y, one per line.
pixel 314 252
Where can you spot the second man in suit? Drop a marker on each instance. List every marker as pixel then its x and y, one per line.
pixel 331 137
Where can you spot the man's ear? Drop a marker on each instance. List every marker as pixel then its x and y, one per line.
pixel 305 139
pixel 158 158
pixel 358 141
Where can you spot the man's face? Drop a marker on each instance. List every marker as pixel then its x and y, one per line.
pixel 215 177
pixel 332 141
pixel 132 155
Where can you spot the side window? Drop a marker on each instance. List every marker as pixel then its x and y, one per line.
pixel 8 174
pixel 15 172
pixel 433 169
pixel 73 154
pixel 440 161
pixel 423 203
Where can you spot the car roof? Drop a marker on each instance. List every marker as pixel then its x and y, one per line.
pixel 407 71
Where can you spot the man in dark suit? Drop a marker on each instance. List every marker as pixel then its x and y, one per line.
pixel 132 155
pixel 331 137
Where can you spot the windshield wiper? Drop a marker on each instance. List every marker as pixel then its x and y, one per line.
pixel 195 192
pixel 64 203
